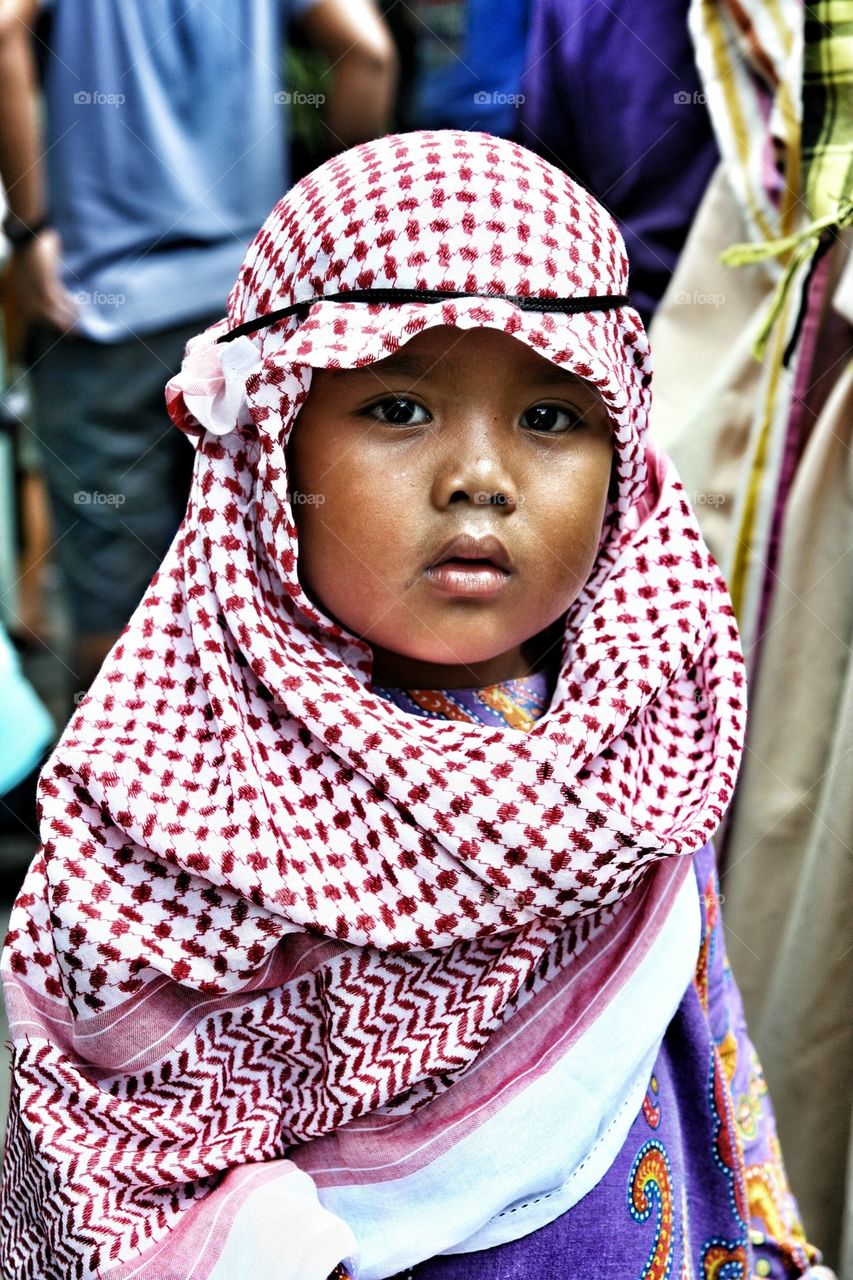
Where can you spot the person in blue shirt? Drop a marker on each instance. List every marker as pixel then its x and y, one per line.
pixel 164 143
pixel 467 61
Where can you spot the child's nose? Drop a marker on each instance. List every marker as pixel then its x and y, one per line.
pixel 482 480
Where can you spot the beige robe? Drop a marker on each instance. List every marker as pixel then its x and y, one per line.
pixel 788 880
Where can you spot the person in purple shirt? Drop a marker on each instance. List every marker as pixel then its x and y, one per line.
pixel 612 95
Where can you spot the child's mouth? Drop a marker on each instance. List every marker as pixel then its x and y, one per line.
pixel 470 565
pixel 468 577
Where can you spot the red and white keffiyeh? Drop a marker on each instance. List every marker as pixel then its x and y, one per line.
pixel 268 902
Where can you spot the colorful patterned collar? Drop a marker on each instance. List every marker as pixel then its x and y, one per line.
pixel 516 703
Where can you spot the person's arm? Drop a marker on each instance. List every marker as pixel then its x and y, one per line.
pixel 353 36
pixel 35 264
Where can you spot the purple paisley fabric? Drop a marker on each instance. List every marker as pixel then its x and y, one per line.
pixel 699 1189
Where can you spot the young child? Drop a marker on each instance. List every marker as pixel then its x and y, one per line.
pixel 375 929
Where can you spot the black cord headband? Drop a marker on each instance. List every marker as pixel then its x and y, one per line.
pixel 568 306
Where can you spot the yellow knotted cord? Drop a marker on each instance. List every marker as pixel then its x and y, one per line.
pixel 802 245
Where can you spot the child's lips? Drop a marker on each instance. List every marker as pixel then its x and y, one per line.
pixel 470 565
pixel 458 576
pixel 471 547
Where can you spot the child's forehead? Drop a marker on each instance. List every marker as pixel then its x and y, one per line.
pixel 444 353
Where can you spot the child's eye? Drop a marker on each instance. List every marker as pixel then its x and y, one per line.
pixel 399 412
pixel 549 419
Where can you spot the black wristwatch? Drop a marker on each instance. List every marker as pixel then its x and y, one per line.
pixel 20 233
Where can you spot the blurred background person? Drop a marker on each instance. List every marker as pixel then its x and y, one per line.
pixel 462 63
pixel 163 147
pixel 701 125
pixel 611 94
pixel 27 727
pixel 754 401
pixel 26 733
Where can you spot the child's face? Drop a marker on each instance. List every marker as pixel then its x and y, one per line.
pixel 461 432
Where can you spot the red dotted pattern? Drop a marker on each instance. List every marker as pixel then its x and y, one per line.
pixel 231 793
